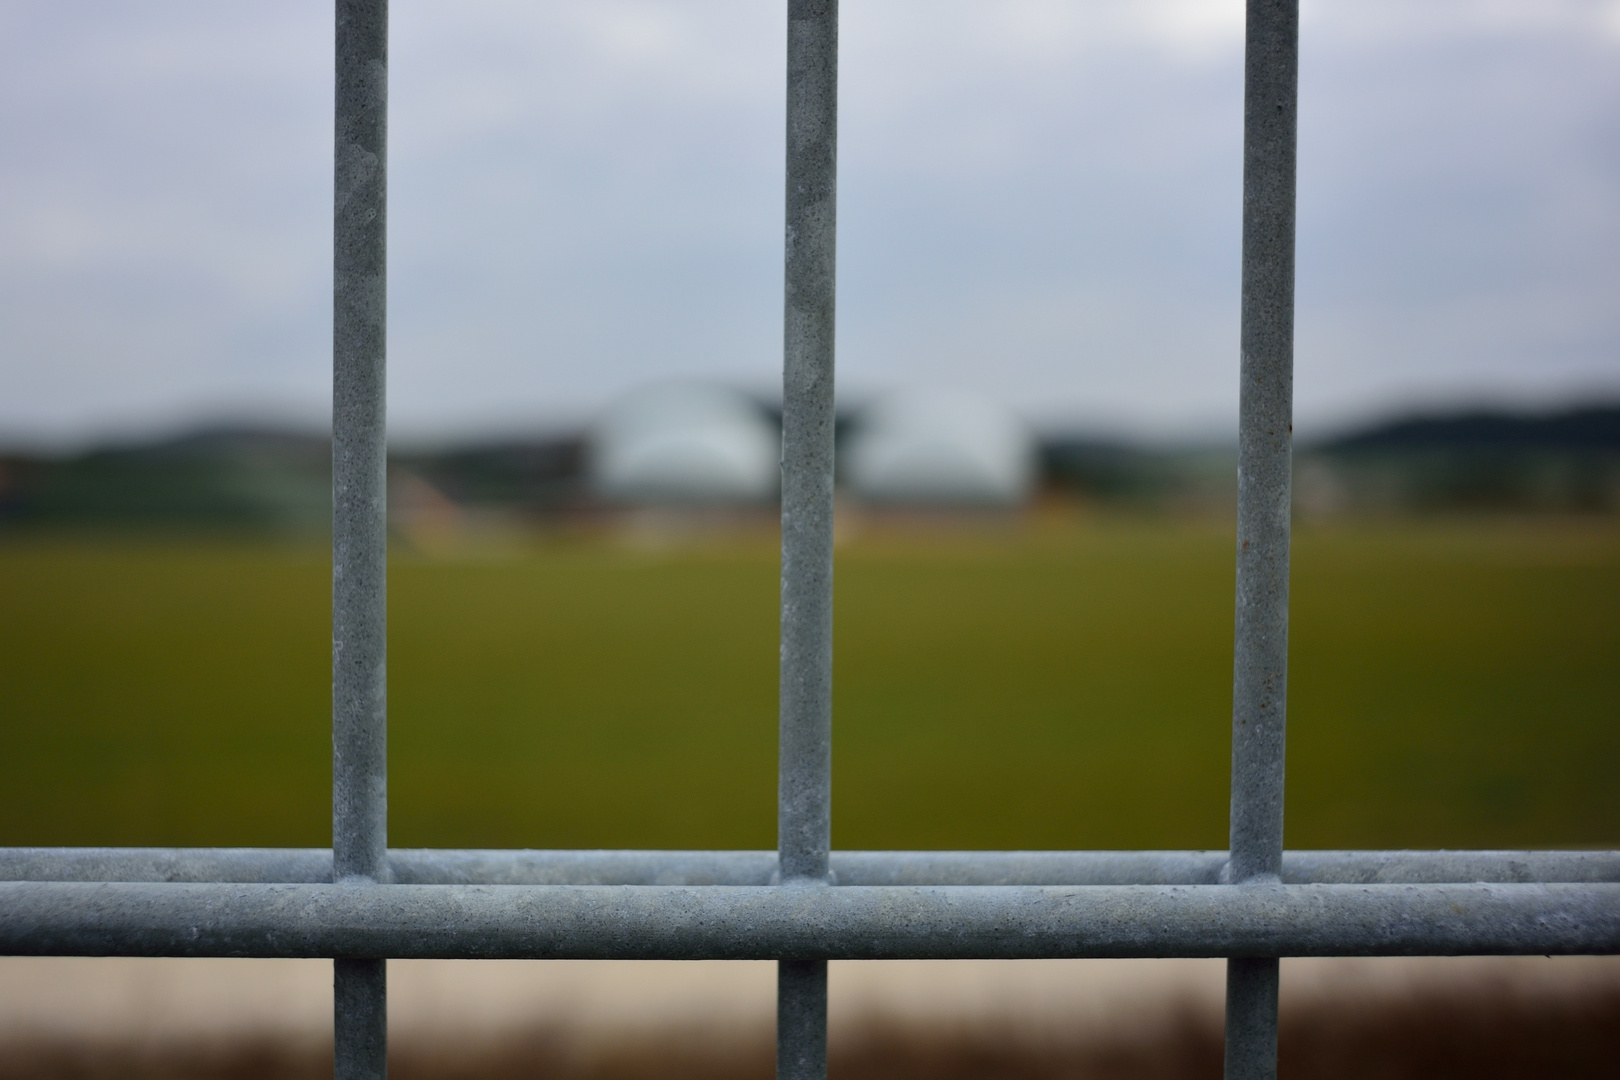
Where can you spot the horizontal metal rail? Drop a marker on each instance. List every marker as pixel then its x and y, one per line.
pixel 802 922
pixel 585 867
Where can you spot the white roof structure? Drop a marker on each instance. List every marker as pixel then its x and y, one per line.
pixel 685 444
pixel 940 448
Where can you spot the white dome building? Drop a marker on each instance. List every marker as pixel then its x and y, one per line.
pixel 685 444
pixel 940 448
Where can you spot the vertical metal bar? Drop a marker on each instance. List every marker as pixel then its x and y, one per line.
pixel 805 742
pixel 1265 440
pixel 803 821
pixel 1251 1018
pixel 801 1019
pixel 359 514
pixel 359 1019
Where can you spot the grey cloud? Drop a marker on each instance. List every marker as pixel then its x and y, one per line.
pixel 1038 199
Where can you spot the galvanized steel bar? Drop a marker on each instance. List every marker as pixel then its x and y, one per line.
pixel 804 922
pixel 359 1017
pixel 359 447
pixel 804 791
pixel 1251 1017
pixel 166 864
pixel 583 867
pixel 801 1018
pixel 1265 441
pixel 360 512
pixel 804 809
pixel 1260 683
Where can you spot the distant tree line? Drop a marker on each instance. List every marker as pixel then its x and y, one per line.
pixel 241 479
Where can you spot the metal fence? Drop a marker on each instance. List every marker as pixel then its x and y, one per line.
pixel 803 904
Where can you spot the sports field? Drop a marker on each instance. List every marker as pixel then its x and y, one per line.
pixel 1067 684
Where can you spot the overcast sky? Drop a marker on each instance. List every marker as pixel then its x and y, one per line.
pixel 1039 200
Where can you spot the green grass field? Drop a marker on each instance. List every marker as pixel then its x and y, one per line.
pixel 1453 684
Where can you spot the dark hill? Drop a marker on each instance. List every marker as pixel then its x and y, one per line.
pixel 1593 428
pixel 1567 461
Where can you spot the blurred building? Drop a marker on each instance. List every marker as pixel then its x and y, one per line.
pixel 684 444
pixel 939 448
